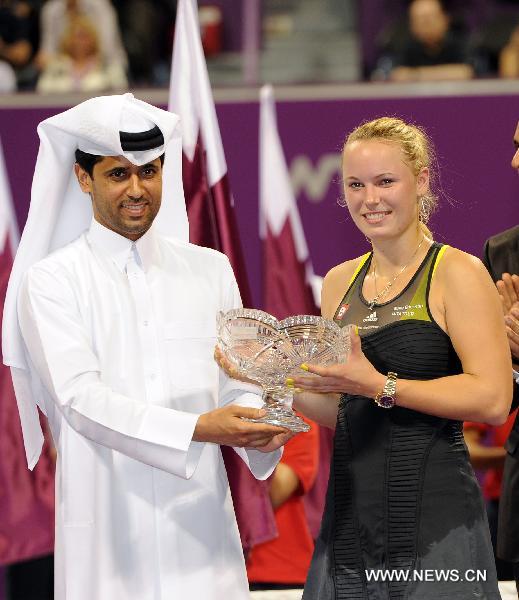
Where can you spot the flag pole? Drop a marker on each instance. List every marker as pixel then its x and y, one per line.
pixel 212 223
pixel 251 41
pixel 288 276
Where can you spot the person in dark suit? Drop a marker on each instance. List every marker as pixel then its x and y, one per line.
pixel 501 257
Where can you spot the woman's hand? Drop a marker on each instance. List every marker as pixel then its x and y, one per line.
pixel 225 364
pixel 357 376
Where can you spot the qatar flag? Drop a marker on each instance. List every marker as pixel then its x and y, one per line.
pixel 212 223
pixel 290 286
pixel 26 497
pixel 210 209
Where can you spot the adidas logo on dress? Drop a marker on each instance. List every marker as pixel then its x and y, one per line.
pixel 371 318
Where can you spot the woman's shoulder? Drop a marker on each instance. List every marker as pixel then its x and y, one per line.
pixel 451 262
pixel 345 271
pixel 457 272
pixel 337 281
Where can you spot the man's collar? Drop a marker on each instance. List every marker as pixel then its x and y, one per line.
pixel 118 248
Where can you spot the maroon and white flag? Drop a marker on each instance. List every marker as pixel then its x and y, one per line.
pixel 290 286
pixel 288 276
pixel 26 497
pixel 212 223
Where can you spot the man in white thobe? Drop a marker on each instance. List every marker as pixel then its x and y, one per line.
pixel 114 341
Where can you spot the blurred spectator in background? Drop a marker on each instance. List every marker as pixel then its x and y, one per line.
pixel 509 57
pixel 18 34
pixel 79 65
pixel 55 16
pixel 284 561
pixel 147 28
pixel 211 29
pixel 495 44
pixel 7 78
pixel 487 454
pixel 433 49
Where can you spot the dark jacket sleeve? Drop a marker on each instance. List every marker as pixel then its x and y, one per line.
pixel 486 259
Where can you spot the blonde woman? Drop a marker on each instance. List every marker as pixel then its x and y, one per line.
pixel 404 515
pixel 80 66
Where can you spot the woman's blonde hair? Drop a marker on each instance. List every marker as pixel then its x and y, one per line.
pixel 75 22
pixel 417 149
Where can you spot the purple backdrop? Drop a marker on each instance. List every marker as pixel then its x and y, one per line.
pixel 472 134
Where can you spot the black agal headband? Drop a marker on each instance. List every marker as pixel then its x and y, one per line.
pixel 143 140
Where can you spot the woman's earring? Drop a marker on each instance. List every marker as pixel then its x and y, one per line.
pixel 424 208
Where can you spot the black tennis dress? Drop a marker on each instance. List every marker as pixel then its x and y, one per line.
pixel 404 516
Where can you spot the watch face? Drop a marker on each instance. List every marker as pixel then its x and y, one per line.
pixel 386 401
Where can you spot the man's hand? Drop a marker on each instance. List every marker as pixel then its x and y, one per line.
pixel 508 288
pixel 277 441
pixel 512 330
pixel 227 427
pixel 228 367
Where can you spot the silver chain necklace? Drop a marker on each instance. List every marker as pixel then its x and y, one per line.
pixel 381 294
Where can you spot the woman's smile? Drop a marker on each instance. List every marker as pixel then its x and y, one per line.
pixel 376 216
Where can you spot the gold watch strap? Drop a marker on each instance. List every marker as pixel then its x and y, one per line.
pixel 386 397
pixel 390 386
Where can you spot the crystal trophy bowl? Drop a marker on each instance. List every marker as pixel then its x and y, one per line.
pixel 267 351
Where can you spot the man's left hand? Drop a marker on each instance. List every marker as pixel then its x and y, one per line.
pixel 508 288
pixel 225 364
pixel 512 329
pixel 277 441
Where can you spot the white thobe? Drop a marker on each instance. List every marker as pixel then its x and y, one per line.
pixel 122 337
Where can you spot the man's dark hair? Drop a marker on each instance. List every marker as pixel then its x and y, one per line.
pixel 88 161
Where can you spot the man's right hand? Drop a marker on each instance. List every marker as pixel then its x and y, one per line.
pixel 225 364
pixel 512 330
pixel 508 288
pixel 227 427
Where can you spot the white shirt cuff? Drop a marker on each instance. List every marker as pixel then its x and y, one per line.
pixel 261 464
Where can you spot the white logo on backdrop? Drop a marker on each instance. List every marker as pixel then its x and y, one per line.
pixel 314 182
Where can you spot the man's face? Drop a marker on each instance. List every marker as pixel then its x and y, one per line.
pixel 428 22
pixel 125 198
pixel 515 159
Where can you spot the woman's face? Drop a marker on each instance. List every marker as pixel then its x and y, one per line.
pixel 381 190
pixel 83 43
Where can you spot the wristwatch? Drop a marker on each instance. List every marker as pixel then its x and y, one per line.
pixel 386 398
